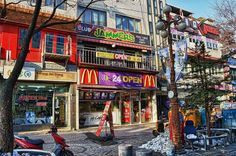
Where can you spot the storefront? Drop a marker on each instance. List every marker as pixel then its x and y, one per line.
pixel 133 96
pixel 42 97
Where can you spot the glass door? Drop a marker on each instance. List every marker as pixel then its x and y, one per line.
pixel 60 113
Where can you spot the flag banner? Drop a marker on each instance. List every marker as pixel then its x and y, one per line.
pixel 180 58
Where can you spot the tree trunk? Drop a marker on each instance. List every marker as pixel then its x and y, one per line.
pixel 6 124
pixel 208 118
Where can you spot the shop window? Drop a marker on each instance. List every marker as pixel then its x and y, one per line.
pixel 36 40
pixel 146 107
pixel 60 44
pixel 91 16
pixel 34 104
pixel 49 43
pixel 127 23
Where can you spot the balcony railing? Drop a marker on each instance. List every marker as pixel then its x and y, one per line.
pixel 89 56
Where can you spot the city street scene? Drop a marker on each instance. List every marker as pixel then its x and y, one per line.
pixel 117 77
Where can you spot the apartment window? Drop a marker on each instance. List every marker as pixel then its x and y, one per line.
pixel 54 3
pixel 150 27
pixel 127 23
pixel 149 7
pixel 49 43
pixel 161 7
pixel 60 44
pixel 23 33
pixel 155 7
pixel 93 17
pixel 36 40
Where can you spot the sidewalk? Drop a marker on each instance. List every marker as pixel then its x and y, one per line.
pixel 90 129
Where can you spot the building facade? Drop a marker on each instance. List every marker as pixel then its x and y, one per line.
pixel 71 70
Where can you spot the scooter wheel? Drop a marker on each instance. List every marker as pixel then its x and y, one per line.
pixel 66 153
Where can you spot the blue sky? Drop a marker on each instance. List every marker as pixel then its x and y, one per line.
pixel 200 8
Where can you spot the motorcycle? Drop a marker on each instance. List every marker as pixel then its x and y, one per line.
pixel 24 142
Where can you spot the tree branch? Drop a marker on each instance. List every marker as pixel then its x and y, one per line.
pixel 53 13
pixel 25 48
pixel 45 25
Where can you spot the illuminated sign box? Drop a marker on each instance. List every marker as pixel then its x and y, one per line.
pixel 111 34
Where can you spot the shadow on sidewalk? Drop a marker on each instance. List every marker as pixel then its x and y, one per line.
pixel 100 140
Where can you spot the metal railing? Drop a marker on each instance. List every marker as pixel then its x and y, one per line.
pixel 88 56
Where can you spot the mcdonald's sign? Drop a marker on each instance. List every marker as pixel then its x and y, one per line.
pixel 88 76
pixel 149 81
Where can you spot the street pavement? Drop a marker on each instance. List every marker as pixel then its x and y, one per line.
pixel 82 144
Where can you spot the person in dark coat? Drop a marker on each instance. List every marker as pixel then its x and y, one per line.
pixel 189 128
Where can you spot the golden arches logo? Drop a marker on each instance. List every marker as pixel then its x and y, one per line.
pixel 89 74
pixel 149 81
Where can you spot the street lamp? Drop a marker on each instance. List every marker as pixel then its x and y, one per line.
pixel 164 26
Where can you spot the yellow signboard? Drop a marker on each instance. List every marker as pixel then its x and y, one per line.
pixel 56 76
pixel 105 55
pixel 118 56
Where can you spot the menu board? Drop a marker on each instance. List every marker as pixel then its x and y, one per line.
pixel 96 95
pixel 88 95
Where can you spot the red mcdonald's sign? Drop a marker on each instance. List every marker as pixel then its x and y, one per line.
pixel 149 81
pixel 88 76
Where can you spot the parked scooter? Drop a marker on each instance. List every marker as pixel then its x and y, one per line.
pixel 25 142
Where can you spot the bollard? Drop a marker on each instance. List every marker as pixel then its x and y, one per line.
pixel 144 152
pixel 125 150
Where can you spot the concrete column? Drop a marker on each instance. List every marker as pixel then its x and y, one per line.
pixel 144 152
pixel 125 150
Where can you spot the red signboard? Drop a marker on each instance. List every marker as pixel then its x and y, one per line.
pixel 41 104
pixel 106 113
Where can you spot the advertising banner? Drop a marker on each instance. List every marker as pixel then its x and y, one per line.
pixel 27 73
pixel 120 79
pixel 180 58
pixel 111 34
pixel 106 117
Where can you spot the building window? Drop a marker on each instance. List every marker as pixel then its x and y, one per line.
pixel 149 7
pixel 23 33
pixel 36 40
pixel 127 24
pixel 150 27
pixel 190 39
pixel 93 17
pixel 60 44
pixel 161 7
pixel 155 7
pixel 54 3
pixel 49 43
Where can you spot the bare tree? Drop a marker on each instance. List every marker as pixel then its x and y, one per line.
pixel 7 85
pixel 226 20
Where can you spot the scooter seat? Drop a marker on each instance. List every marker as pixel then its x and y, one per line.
pixel 35 141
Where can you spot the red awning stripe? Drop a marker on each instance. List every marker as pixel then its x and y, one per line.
pixel 115 42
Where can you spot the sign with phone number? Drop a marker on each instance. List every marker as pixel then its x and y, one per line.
pixel 120 79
